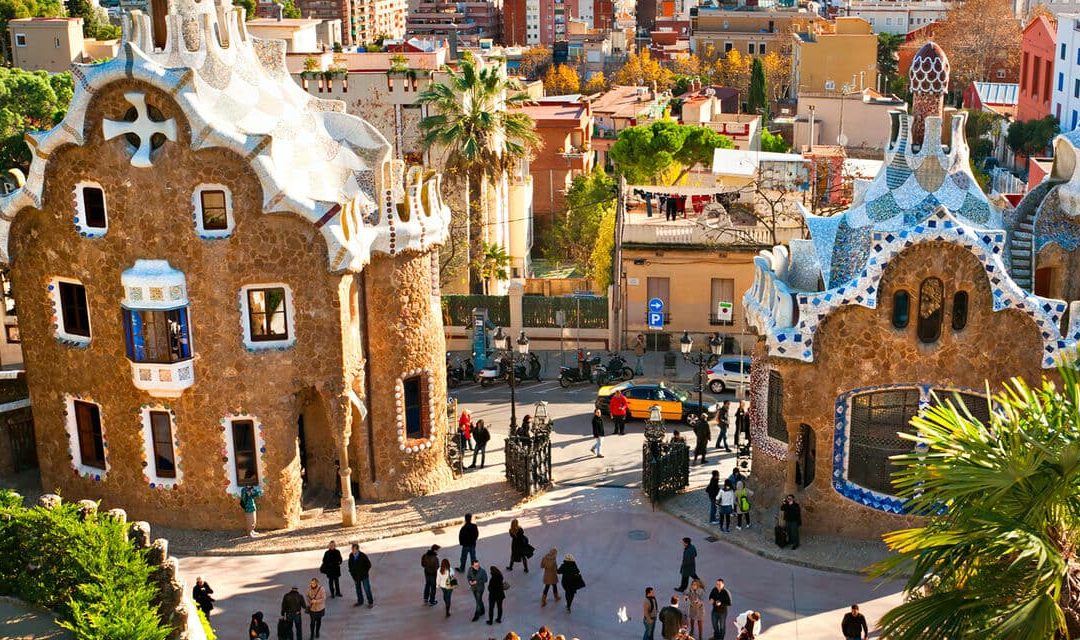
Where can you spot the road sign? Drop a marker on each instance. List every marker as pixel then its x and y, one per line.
pixel 656 305
pixel 656 320
pixel 725 311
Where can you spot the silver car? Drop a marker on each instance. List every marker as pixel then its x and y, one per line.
pixel 731 372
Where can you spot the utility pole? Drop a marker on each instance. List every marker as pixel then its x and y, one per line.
pixel 617 269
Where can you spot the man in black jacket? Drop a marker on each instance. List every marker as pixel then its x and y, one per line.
pixel 430 562
pixel 467 537
pixel 720 600
pixel 291 607
pixel 360 570
pixel 854 625
pixel 671 619
pixel 482 436
pixel 688 567
pixel 792 519
pixel 331 568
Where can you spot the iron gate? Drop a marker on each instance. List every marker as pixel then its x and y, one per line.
pixel 665 469
pixel 528 462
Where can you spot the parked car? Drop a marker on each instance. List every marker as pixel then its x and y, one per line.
pixel 675 404
pixel 729 373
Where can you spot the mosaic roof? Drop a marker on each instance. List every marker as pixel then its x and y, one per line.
pixel 311 157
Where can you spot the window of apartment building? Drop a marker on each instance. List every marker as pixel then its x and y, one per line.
pixel 88 431
pixel 91 216
pixel 1073 125
pixel 161 441
pixel 245 453
pixel 1036 85
pixel 1077 54
pixel 20 39
pixel 268 316
pixel 722 301
pixel 888 21
pixel 1048 73
pixel 74 313
pixel 56 43
pixel 761 48
pixel 213 211
pixel 1063 51
pixel 158 336
pixel 750 48
pixel 1061 81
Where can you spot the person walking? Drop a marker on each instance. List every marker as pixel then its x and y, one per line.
pixel 792 514
pixel 464 430
pixel 331 568
pixel 430 562
pixel 649 611
pixel 200 593
pixel 720 599
pixel 572 582
pixel 742 504
pixel 477 579
pixel 671 619
pixel 291 607
pixel 688 567
pixel 617 410
pixel 316 606
pixel 520 549
pixel 853 626
pixel 481 436
pixel 727 506
pixel 467 536
pixel 639 355
pixel 723 416
pixel 496 594
pixel 446 582
pixel 695 607
pixel 551 578
pixel 713 491
pixel 248 496
pixel 701 437
pixel 258 629
pixel 360 570
pixel 597 432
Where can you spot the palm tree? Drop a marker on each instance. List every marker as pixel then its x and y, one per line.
pixel 469 120
pixel 491 264
pixel 997 557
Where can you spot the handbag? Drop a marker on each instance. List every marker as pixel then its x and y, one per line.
pixel 453 582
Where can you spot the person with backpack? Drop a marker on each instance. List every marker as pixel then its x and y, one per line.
pixel 713 491
pixel 331 568
pixel 248 496
pixel 481 437
pixel 430 562
pixel 742 504
pixel 617 409
pixel 360 570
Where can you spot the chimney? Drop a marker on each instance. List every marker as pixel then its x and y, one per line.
pixel 929 77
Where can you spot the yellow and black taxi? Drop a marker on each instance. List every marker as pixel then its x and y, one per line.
pixel 675 404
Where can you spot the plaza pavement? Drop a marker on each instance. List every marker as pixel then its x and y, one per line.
pixel 621 546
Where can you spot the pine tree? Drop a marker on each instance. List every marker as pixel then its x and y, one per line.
pixel 757 100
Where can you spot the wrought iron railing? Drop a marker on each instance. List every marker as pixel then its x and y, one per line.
pixel 665 469
pixel 528 462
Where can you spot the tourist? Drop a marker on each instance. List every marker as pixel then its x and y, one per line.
pixel 713 491
pixel 551 578
pixel 543 634
pixel 520 549
pixel 727 505
pixel 671 619
pixel 688 566
pixel 572 581
pixel 742 414
pixel 525 430
pixel 677 437
pixel 248 496
pixel 792 515
pixel 200 593
pixel 481 436
pixel 701 437
pixel 722 418
pixel 477 579
pixel 496 594
pixel 617 410
pixel 720 599
pixel 467 537
pixel 331 568
pixel 736 476
pixel 464 430
pixel 258 630
pixel 695 606
pixel 430 562
pixel 742 504
pixel 597 432
pixel 360 570
pixel 291 606
pixel 639 354
pixel 446 581
pixel 749 624
pixel 316 606
pixel 854 625
pixel 649 611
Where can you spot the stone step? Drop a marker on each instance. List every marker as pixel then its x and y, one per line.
pixel 311 514
pixel 1026 225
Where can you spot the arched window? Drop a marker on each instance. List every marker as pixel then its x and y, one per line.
pixel 931 301
pixel 901 304
pixel 959 310
pixel 876 419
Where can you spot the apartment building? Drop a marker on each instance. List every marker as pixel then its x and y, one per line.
pixel 1037 53
pixel 834 56
pixel 53 44
pixel 751 31
pixel 889 16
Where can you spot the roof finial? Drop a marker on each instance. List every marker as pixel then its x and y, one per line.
pixel 929 77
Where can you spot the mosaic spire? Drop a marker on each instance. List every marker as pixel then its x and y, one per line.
pixel 929 77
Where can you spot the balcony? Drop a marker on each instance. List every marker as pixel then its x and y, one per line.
pixel 163 380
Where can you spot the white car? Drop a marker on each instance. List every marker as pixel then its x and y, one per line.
pixel 731 372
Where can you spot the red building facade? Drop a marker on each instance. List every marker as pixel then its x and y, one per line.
pixel 1037 53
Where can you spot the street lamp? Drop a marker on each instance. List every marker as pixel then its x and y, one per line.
pixel 506 360
pixel 701 359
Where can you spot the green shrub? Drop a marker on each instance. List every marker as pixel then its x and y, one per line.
pixel 207 629
pixel 84 569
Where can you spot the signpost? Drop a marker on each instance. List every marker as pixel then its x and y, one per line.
pixel 656 314
pixel 725 311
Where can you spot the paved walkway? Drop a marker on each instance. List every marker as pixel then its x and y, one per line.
pixel 19 621
pixel 621 546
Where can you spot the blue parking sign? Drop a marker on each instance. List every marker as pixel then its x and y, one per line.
pixel 656 320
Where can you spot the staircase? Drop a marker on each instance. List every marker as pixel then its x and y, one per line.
pixel 1021 239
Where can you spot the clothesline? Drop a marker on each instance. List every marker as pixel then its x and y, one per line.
pixel 672 204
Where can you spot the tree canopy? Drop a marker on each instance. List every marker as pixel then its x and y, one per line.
pixel 651 153
pixel 1031 138
pixel 596 84
pixel 979 36
pixel 534 62
pixel 29 101
pixel 561 79
pixel 773 142
pixel 756 100
pixel 641 69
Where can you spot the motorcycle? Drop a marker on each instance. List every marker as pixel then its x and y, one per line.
pixel 571 375
pixel 458 370
pixel 616 370
pixel 527 369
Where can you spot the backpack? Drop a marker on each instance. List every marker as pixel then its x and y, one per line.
pixel 744 503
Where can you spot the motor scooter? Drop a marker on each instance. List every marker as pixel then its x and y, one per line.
pixel 616 370
pixel 458 370
pixel 528 368
pixel 584 373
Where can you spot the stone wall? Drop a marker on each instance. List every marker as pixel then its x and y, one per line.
pixel 150 216
pixel 858 347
